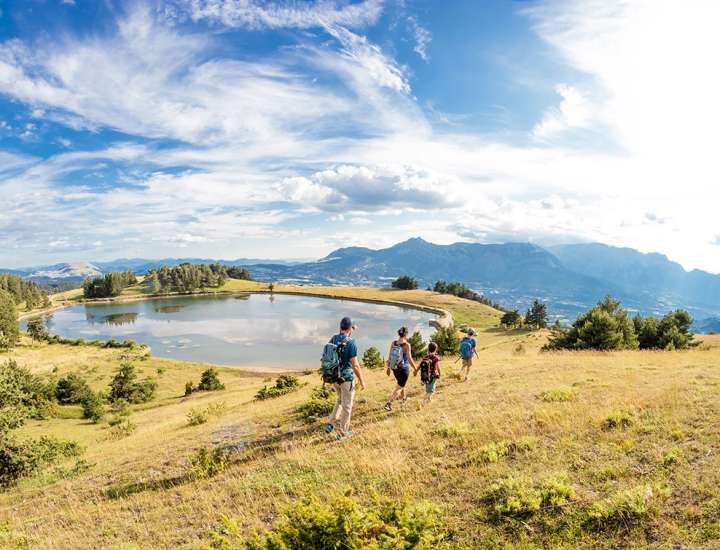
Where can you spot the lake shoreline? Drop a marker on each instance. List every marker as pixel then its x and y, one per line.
pixel 445 318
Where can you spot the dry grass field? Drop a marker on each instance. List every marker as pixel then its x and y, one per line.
pixel 554 450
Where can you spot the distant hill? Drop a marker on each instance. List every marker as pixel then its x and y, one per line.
pixel 708 325
pixel 570 278
pixel 657 282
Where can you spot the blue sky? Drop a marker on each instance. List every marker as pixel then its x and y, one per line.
pixel 240 128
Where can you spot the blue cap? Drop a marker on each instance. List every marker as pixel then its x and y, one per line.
pixel 346 323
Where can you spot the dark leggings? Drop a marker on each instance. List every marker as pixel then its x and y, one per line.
pixel 401 375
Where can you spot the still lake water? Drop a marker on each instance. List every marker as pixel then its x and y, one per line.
pixel 258 330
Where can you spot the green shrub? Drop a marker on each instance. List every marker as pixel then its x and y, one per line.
pixel 207 463
pixel 284 384
pixel 372 359
pixel 209 381
pixel 19 459
pixel 447 340
pixel 493 452
pixel 321 403
pixel 558 395
pixel 623 510
pixel 71 389
pixel 9 326
pixel 22 392
pixel 198 416
pixel 121 428
pixel 417 345
pixel 519 498
pixel 672 457
pixel 93 407
pixel 618 420
pixel 343 523
pixel 125 385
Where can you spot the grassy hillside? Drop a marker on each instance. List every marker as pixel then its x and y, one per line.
pixel 600 450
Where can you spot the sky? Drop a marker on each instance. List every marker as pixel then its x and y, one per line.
pixel 286 129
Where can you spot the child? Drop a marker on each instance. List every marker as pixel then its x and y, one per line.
pixel 429 371
pixel 467 350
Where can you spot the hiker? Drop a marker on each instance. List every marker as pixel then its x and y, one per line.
pixel 430 370
pixel 340 367
pixel 399 362
pixel 467 350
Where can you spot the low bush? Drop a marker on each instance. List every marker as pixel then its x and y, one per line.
pixel 558 395
pixel 520 498
pixel 321 403
pixel 189 388
pixel 93 407
pixel 19 459
pixel 372 359
pixel 283 385
pixel 417 345
pixel 618 420
pixel 21 390
pixel 122 429
pixel 71 389
pixel 493 452
pixel 198 415
pixel 344 523
pixel 623 510
pixel 207 463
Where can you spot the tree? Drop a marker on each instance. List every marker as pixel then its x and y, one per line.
pixel 372 359
pixel 154 283
pixel 209 381
pixel 124 385
pixel 71 389
pixel 36 329
pixel 93 407
pixel 417 345
pixel 405 282
pixel 670 332
pixel 537 316
pixel 9 327
pixel 605 327
pixel 447 340
pixel 511 319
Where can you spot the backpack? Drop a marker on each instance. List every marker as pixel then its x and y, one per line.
pixel 331 362
pixel 396 356
pixel 427 369
pixel 466 348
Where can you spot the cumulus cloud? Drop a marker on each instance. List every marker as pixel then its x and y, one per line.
pixel 351 188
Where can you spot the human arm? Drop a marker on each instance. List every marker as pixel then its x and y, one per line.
pixel 408 351
pixel 387 363
pixel 475 349
pixel 358 371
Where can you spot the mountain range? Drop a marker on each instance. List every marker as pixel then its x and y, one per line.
pixel 570 278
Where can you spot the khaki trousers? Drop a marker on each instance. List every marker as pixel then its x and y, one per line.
pixel 340 416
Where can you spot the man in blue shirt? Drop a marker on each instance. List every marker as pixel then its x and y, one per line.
pixel 350 368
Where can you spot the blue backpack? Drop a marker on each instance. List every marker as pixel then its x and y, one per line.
pixel 396 359
pixel 466 348
pixel 331 362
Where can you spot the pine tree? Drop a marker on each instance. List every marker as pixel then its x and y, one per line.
pixel 417 345
pixel 9 327
pixel 36 329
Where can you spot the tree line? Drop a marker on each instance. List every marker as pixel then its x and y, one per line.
pixel 188 277
pixel 609 326
pixel 108 285
pixel 22 291
pixel 461 291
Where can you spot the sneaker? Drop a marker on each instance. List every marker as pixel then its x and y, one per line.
pixel 328 428
pixel 343 435
pixel 388 407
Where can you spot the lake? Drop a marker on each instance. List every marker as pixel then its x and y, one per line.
pixel 255 330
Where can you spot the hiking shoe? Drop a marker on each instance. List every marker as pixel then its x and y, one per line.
pixel 329 428
pixel 343 435
pixel 388 407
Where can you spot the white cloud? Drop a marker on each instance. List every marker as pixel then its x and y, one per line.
pixel 256 15
pixel 422 37
pixel 574 111
pixel 351 188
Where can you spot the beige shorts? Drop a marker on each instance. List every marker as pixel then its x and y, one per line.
pixel 467 362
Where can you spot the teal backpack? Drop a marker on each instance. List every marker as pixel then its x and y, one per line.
pixel 331 362
pixel 466 348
